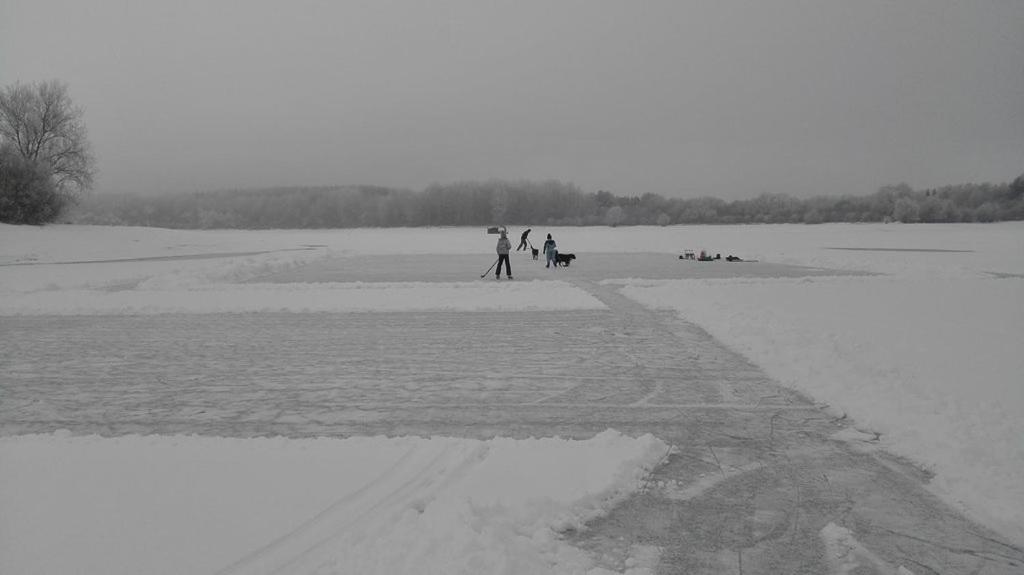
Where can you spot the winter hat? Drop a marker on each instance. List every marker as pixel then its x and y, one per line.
pixel 502 233
pixel 549 236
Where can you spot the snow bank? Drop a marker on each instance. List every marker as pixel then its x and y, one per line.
pixel 359 505
pixel 82 243
pixel 156 271
pixel 934 365
pixel 321 297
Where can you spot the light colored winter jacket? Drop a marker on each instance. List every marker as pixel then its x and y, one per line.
pixel 504 246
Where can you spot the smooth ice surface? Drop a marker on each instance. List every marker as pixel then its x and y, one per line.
pixel 80 270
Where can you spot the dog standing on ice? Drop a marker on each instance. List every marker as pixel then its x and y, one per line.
pixel 564 259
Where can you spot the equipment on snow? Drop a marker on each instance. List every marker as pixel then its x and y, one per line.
pixel 490 268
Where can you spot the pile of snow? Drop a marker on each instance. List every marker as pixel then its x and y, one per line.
pixel 360 505
pixel 934 365
pixel 318 297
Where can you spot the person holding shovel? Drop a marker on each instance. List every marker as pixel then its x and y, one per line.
pixel 522 240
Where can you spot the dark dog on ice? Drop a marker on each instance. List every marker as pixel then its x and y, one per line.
pixel 564 259
pixel 535 252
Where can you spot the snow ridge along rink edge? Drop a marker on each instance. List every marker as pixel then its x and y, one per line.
pixel 511 296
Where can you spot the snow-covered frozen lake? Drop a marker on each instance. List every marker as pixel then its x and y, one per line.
pixel 232 400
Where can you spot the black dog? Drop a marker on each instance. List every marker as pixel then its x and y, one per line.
pixel 564 259
pixel 535 251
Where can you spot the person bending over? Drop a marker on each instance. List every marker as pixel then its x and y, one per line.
pixel 522 240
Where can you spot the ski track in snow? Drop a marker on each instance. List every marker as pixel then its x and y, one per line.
pixel 417 476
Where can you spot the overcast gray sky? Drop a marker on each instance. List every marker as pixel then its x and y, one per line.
pixel 681 98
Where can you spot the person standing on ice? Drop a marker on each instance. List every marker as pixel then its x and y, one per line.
pixel 522 240
pixel 504 246
pixel 551 252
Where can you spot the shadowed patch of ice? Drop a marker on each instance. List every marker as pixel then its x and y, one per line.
pixel 859 439
pixel 707 482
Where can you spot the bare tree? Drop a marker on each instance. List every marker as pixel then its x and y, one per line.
pixel 44 126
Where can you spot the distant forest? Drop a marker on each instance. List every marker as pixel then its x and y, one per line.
pixel 537 203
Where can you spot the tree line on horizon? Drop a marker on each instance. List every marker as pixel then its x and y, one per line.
pixel 554 203
pixel 47 166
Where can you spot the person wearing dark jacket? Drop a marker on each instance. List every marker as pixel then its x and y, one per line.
pixel 522 240
pixel 504 246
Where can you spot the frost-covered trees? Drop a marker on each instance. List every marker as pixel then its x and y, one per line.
pixel 27 193
pixel 544 203
pixel 40 124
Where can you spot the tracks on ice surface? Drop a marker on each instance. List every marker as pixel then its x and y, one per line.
pixel 756 486
pixel 418 475
pixel 769 477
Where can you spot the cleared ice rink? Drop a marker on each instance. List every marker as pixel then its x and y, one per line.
pixel 762 478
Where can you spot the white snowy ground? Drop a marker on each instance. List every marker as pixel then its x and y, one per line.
pixel 928 355
pixel 925 353
pixel 360 505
